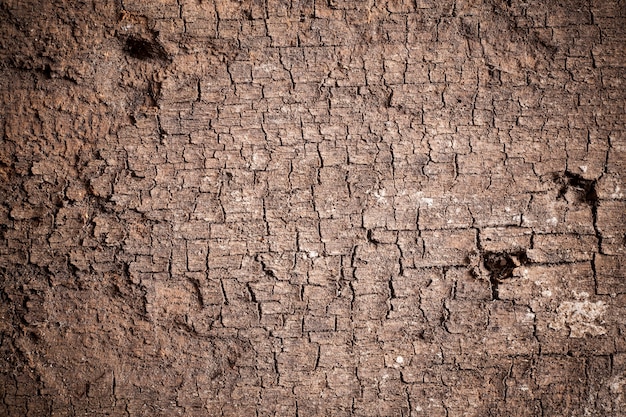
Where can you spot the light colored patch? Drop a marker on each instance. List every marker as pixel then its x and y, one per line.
pixel 616 387
pixel 380 196
pixel 583 295
pixel 617 193
pixel 580 318
pixel 530 317
pixel 426 201
pixel 552 221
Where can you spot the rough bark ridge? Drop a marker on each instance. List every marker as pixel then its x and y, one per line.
pixel 346 208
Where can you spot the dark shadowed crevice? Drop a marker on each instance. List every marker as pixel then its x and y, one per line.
pixel 575 186
pixel 145 49
pixel 500 266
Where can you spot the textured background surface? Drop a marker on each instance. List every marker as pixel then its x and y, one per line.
pixel 359 208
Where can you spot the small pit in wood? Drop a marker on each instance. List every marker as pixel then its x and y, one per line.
pixel 500 266
pixel 575 187
pixel 144 49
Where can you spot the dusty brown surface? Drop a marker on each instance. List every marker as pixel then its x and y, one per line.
pixel 338 208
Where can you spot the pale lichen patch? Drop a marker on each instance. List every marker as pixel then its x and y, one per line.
pixel 580 318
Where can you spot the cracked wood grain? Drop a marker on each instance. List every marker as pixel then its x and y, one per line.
pixel 224 208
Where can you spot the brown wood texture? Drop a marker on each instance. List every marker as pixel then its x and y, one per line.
pixel 312 208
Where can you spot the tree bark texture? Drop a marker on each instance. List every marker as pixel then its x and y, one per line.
pixel 312 208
